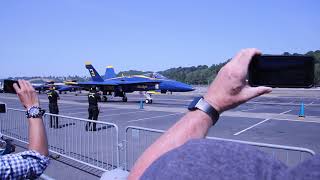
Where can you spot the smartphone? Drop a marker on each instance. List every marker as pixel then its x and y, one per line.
pixel 282 71
pixel 8 86
pixel 3 108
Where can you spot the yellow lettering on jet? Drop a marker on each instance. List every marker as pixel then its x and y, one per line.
pixel 142 86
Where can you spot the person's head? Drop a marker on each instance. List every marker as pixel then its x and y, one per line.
pixel 93 89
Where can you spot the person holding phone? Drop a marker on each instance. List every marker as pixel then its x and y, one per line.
pixel 32 163
pixel 182 152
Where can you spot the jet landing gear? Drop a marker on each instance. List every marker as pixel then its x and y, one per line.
pixel 148 101
pixel 124 99
pixel 148 98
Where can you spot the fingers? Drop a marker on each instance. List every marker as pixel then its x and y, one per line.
pixel 253 92
pixel 16 88
pixel 22 84
pixel 244 56
pixel 30 86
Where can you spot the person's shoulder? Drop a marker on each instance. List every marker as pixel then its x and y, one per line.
pixel 308 169
pixel 214 159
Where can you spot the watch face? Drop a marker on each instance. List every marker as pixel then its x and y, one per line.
pixel 34 111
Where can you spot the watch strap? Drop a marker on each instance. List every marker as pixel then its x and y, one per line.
pixel 38 115
pixel 201 104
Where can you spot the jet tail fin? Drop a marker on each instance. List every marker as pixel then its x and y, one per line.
pixel 95 76
pixel 109 73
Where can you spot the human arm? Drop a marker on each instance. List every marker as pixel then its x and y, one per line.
pixel 228 90
pixel 98 96
pixel 57 94
pixel 37 135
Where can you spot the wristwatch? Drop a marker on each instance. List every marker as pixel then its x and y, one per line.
pixel 35 112
pixel 201 104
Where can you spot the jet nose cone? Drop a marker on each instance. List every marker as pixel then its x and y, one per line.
pixel 187 87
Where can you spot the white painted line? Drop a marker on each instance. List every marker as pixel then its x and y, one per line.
pixel 76 113
pixel 163 99
pixel 107 115
pixel 72 108
pixel 248 109
pixel 310 103
pixel 271 103
pixel 155 117
pixel 15 106
pixel 236 134
pixel 84 109
pixel 295 120
pixel 107 110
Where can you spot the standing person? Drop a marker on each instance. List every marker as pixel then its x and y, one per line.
pixel 93 98
pixel 53 97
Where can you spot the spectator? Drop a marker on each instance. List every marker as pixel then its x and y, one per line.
pixel 28 164
pixel 183 153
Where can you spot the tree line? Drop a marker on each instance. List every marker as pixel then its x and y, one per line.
pixel 196 75
pixel 203 74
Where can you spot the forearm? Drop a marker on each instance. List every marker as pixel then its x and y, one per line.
pixel 228 90
pixel 193 125
pixel 37 136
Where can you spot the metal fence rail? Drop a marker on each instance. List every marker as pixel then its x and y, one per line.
pixel 137 139
pixel 101 149
pixel 97 149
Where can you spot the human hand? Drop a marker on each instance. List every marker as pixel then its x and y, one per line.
pixel 26 94
pixel 230 88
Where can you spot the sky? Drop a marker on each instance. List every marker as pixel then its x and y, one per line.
pixel 42 38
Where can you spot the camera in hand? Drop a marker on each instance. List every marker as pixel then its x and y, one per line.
pixel 282 71
pixel 8 86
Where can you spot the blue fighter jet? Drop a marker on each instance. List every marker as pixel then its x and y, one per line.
pixel 114 86
pixel 118 86
pixel 65 87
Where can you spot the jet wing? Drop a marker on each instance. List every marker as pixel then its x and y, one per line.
pixel 138 82
pixel 96 83
pixel 118 82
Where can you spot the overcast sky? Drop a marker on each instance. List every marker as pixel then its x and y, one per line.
pixel 58 37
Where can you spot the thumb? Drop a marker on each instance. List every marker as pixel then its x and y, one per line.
pixel 253 92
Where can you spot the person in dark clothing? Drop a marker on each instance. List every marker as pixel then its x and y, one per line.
pixel 93 98
pixel 53 97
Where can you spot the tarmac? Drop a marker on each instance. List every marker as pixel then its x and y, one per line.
pixel 271 118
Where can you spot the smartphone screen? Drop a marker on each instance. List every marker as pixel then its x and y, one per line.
pixel 3 108
pixel 282 71
pixel 8 86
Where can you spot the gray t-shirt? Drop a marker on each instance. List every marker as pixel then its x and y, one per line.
pixel 221 160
